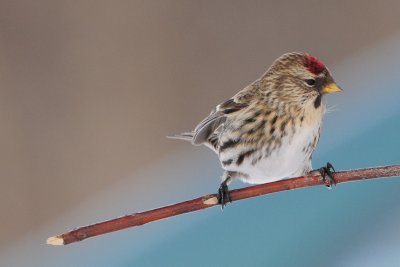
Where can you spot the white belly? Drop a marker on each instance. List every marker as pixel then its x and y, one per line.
pixel 290 160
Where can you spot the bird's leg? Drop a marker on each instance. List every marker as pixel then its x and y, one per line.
pixel 327 175
pixel 223 191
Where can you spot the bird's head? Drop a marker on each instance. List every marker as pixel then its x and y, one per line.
pixel 301 78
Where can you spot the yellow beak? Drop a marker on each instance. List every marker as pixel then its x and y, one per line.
pixel 331 88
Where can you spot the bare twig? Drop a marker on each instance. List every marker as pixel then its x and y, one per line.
pixel 208 201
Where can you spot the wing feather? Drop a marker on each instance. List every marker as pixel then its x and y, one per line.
pixel 206 132
pixel 207 127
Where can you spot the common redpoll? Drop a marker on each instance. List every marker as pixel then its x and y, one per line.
pixel 269 130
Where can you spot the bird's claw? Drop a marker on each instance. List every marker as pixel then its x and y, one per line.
pixel 223 195
pixel 327 175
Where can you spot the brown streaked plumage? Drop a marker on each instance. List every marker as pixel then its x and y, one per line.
pixel 269 130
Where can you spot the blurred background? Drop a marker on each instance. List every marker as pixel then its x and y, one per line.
pixel 90 89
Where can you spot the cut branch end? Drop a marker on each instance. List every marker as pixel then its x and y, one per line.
pixel 55 241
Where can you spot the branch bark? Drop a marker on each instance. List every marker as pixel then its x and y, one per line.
pixel 208 201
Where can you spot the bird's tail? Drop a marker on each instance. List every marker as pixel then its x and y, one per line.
pixel 187 136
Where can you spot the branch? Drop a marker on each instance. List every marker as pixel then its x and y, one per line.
pixel 208 201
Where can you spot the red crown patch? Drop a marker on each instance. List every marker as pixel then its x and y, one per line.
pixel 314 65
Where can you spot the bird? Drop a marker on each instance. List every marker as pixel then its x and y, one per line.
pixel 269 130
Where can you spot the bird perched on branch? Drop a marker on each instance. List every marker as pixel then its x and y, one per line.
pixel 269 130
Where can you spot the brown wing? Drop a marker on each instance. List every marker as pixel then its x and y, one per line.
pixel 206 128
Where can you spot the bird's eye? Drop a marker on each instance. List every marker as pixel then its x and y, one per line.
pixel 310 82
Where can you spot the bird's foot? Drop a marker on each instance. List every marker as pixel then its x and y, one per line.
pixel 223 195
pixel 327 175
